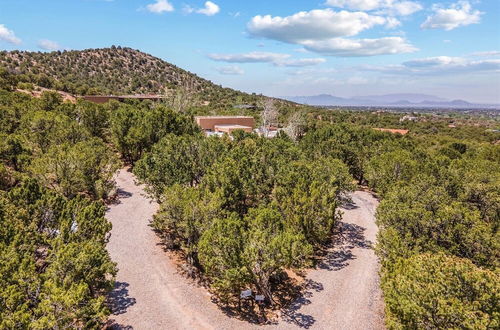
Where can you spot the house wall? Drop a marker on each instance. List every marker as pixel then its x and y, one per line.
pixel 209 123
pixel 231 129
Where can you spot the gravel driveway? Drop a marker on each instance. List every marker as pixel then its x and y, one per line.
pixel 343 292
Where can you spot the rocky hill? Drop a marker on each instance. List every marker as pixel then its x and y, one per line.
pixel 115 70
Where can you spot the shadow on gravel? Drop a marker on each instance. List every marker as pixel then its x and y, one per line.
pixel 347 203
pixel 123 194
pixel 246 313
pixel 352 236
pixel 119 299
pixel 292 315
pixel 115 326
pixel 347 237
pixel 336 257
pixel 118 196
pixel 350 206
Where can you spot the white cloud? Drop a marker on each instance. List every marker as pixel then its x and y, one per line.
pixel 160 6
pixel 310 72
pixel 392 22
pixel 210 9
pixel 403 8
pixel 301 62
pixel 434 61
pixel 459 14
pixel 323 31
pixel 48 45
pixel 357 81
pixel 277 59
pixel 391 7
pixel 360 47
pixel 492 53
pixel 439 65
pixel 253 57
pixel 230 70
pixel 319 24
pixel 8 35
pixel 355 4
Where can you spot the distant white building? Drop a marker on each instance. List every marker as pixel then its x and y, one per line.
pixel 269 132
pixel 408 118
pixel 219 134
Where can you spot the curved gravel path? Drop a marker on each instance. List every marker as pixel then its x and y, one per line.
pixel 343 292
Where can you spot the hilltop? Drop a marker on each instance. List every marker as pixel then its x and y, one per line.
pixel 114 70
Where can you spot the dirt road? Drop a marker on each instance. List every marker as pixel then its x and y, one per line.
pixel 149 294
pixel 344 292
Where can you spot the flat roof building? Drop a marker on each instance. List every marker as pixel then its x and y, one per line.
pixel 226 124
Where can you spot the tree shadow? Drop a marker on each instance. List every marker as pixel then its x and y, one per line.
pixel 353 236
pixel 117 197
pixel 116 326
pixel 335 257
pixel 336 260
pixel 119 300
pixel 347 237
pixel 311 285
pixel 347 203
pixel 349 206
pixel 246 312
pixel 292 315
pixel 120 193
pixel 286 291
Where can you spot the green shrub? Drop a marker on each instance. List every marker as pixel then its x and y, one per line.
pixel 436 291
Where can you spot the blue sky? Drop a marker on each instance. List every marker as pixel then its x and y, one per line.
pixel 340 47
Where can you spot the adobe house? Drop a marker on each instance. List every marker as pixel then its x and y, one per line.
pixel 225 124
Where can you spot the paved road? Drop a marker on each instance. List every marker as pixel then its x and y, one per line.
pixel 149 294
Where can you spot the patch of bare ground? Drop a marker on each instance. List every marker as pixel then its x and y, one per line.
pixel 67 97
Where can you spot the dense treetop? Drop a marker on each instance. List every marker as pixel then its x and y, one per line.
pixel 55 170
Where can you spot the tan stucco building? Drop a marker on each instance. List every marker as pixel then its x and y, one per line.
pixel 225 124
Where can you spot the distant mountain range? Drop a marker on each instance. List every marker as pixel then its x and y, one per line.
pixel 394 100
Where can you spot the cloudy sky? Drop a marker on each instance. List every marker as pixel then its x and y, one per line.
pixel 340 47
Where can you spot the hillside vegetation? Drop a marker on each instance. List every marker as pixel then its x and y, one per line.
pixel 115 70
